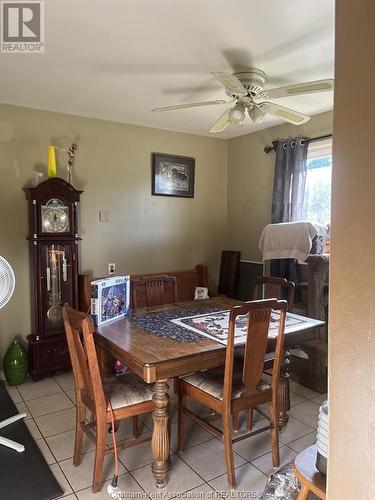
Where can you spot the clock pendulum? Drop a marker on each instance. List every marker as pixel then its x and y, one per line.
pixel 56 266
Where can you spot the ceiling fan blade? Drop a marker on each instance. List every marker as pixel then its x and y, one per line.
pixel 189 105
pixel 231 83
pixel 287 114
pixel 300 88
pixel 221 123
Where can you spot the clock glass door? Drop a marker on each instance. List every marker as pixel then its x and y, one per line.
pixel 56 261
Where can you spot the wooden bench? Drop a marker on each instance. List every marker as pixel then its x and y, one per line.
pixel 186 283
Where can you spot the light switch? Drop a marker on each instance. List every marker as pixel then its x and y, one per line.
pixel 104 215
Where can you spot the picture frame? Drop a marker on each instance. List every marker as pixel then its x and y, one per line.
pixel 173 175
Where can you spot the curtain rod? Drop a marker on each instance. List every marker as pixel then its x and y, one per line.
pixel 273 147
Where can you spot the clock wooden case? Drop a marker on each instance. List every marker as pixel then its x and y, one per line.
pixel 53 245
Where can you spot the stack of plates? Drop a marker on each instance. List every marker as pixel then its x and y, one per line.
pixel 322 439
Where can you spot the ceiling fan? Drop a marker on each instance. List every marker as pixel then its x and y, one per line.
pixel 246 89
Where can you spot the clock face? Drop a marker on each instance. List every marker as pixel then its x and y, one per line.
pixel 55 217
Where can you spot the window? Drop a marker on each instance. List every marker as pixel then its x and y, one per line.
pixel 317 201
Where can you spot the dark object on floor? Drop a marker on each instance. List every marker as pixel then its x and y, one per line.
pixel 249 271
pixel 229 273
pixel 23 475
pixel 282 484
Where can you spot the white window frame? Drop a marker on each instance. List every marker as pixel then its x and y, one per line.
pixel 319 149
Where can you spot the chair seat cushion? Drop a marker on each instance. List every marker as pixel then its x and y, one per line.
pixel 211 381
pixel 127 390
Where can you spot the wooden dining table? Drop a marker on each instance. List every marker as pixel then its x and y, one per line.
pixel 157 360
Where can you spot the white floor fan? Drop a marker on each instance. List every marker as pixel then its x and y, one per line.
pixel 7 282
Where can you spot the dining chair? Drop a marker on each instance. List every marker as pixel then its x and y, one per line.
pixel 108 401
pixel 228 390
pixel 153 288
pixel 272 287
pixel 267 287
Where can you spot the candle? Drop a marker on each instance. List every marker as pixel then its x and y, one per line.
pixel 51 162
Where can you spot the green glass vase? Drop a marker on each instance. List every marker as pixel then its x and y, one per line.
pixel 15 363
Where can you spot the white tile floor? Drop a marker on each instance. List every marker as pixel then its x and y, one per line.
pixel 199 469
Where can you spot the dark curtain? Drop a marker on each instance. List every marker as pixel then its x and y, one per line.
pixel 288 194
pixel 290 180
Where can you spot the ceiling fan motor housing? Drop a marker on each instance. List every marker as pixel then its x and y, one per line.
pixel 253 79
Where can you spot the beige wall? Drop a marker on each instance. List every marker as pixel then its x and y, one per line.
pixel 250 178
pixel 145 234
pixel 352 274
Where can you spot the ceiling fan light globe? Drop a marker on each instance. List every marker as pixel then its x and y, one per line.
pixel 256 114
pixel 237 115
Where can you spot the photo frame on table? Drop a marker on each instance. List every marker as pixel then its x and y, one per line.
pixel 173 175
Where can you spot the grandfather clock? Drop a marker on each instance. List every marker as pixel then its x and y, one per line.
pixel 53 245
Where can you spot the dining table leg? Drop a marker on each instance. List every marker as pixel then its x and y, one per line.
pixel 284 393
pixel 160 434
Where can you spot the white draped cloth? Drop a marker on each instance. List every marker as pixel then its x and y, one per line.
pixel 290 240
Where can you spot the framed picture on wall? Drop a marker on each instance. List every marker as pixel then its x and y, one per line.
pixel 173 175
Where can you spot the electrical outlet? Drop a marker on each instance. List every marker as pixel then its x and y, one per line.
pixel 111 269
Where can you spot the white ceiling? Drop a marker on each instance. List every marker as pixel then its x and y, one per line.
pixel 117 59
